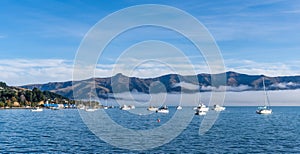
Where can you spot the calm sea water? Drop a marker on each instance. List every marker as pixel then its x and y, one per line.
pixel 237 130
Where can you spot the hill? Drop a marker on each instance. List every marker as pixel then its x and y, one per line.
pixel 21 97
pixel 167 83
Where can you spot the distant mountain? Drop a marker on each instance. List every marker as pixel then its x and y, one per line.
pixel 168 83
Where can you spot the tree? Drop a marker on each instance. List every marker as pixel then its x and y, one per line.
pixel 8 103
pixel 3 85
pixel 2 104
pixel 28 95
pixel 14 99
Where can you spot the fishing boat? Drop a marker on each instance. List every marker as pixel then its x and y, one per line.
pixel 265 109
pixel 218 108
pixel 163 109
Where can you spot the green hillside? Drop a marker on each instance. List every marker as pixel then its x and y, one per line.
pixel 20 97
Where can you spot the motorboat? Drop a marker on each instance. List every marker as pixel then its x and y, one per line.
pixel 37 109
pixel 125 107
pixel 201 107
pixel 163 109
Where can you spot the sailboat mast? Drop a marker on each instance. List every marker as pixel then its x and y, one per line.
pixel 267 101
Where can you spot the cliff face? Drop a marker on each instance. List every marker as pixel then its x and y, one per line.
pixel 167 83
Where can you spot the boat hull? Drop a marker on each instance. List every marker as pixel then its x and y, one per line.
pixel 203 109
pixel 200 113
pixel 219 109
pixel 152 109
pixel 90 110
pixel 36 110
pixel 162 111
pixel 264 111
pixel 178 107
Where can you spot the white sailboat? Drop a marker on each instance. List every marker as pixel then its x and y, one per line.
pixel 265 109
pixel 90 108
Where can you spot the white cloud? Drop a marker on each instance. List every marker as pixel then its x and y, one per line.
pixel 226 88
pixel 257 68
pixel 186 85
pixel 26 71
pixel 292 11
pixel 285 85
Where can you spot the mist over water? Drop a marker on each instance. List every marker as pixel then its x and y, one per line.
pixel 245 98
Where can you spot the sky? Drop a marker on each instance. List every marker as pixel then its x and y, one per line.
pixel 39 39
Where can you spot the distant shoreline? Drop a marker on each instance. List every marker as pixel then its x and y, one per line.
pixel 4 108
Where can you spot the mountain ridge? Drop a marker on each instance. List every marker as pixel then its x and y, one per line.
pixel 168 83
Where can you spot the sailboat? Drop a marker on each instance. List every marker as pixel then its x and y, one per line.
pixel 105 107
pixel 90 108
pixel 163 109
pixel 265 109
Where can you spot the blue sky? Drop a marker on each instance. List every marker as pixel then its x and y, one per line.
pixel 39 39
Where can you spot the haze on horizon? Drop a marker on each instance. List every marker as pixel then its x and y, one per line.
pixel 245 98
